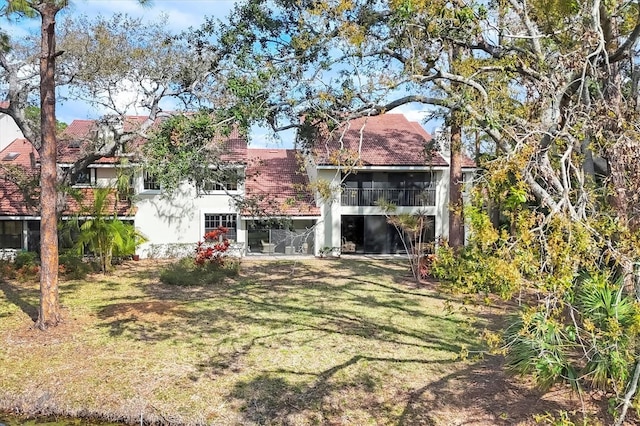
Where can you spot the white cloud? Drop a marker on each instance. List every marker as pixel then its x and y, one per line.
pixel 419 112
pixel 181 14
pixel 413 112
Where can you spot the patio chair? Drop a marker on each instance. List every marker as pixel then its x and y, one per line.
pixel 268 248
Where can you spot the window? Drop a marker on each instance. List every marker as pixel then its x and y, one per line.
pixel 84 177
pixel 220 186
pixel 212 221
pixel 11 234
pixel 11 156
pixel 225 180
pixel 150 183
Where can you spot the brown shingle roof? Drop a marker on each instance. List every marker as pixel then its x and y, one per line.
pixel 12 198
pixel 13 201
pixel 383 140
pixel 276 180
pixel 76 136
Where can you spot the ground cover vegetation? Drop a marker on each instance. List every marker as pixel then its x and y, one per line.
pixel 547 95
pixel 317 341
pixel 549 92
pixel 211 262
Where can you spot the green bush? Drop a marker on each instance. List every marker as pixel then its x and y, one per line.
pixel 185 272
pixel 72 266
pixel 587 339
pixel 25 258
pixel 474 271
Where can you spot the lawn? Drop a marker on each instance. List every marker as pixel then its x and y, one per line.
pixel 308 342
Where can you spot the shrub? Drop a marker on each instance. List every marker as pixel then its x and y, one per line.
pixel 28 273
pixel 590 338
pixel 185 272
pixel 213 249
pixel 25 258
pixel 474 271
pixel 73 266
pixel 211 264
pixel 6 269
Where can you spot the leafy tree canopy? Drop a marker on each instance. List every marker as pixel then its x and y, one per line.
pixel 552 85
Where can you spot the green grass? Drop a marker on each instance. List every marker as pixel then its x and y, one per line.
pixel 312 342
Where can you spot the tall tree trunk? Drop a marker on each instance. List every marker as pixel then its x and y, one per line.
pixel 49 312
pixel 456 219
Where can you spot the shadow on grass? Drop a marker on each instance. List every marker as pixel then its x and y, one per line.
pixel 487 389
pixel 289 304
pixel 335 309
pixel 270 399
pixel 20 297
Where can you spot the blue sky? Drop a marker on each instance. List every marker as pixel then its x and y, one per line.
pixel 181 14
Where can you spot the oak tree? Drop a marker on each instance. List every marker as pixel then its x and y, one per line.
pixel 552 85
pixel 69 67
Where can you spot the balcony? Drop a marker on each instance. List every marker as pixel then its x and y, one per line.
pixel 397 196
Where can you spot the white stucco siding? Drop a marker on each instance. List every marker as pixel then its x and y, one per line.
pixel 178 220
pixel 442 204
pixel 9 131
pixel 106 177
pixel 328 228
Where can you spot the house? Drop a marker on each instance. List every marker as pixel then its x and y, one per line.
pixel 19 213
pixel 379 158
pixel 9 130
pixel 290 201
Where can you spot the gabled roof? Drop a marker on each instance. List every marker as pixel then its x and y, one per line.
pixel 23 148
pixel 383 140
pixel 75 139
pixel 275 178
pixel 12 198
pixel 78 129
pixel 4 104
pixel 13 201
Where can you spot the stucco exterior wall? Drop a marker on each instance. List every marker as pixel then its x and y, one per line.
pixel 9 131
pixel 328 232
pixel 328 228
pixel 174 224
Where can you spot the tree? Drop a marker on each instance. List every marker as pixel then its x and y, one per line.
pixel 104 234
pixel 190 148
pixel 554 85
pixel 332 61
pixel 411 229
pixel 21 82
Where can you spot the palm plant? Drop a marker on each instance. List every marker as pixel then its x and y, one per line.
pixel 590 336
pixel 610 325
pixel 106 235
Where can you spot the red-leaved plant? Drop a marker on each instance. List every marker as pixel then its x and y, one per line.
pixel 212 250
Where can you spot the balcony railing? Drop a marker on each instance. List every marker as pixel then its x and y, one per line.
pixel 397 196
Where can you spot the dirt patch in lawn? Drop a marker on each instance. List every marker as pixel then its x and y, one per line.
pixel 150 310
pixel 287 342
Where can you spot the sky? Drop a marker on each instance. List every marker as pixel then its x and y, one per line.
pixel 181 14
